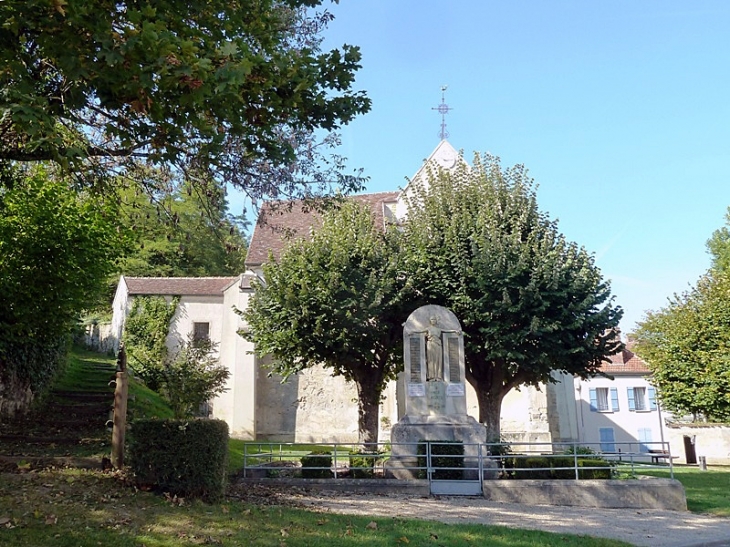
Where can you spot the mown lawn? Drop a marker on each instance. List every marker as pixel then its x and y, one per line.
pixel 75 508
pixel 707 491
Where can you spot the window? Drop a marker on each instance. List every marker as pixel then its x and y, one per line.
pixel 645 439
pixel 600 400
pixel 201 331
pixel 607 439
pixel 642 398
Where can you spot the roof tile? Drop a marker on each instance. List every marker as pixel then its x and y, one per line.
pixel 182 286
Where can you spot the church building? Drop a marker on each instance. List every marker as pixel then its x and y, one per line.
pixel 314 406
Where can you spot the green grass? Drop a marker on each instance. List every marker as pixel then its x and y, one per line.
pixel 707 491
pixel 78 508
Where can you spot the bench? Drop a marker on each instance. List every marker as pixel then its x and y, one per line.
pixel 657 455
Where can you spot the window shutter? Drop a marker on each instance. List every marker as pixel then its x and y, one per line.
pixel 645 439
pixel 652 398
pixel 594 400
pixel 614 399
pixel 630 393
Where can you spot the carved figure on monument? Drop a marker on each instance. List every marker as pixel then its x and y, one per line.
pixel 434 351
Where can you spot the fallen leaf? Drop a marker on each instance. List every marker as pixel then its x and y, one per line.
pixel 4 520
pixel 51 519
pixel 404 539
pixel 372 525
pixel 284 533
pixel 225 509
pixel 322 522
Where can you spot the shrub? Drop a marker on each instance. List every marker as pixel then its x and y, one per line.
pixel 444 454
pixel 533 467
pixel 317 464
pixel 362 464
pixel 603 473
pixel 184 458
pixel 567 462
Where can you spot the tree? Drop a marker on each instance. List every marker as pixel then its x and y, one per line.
pixel 56 249
pixel 145 337
pixel 687 347
pixel 719 246
pixel 335 300
pixel 529 301
pixel 192 377
pixel 215 90
pixel 181 232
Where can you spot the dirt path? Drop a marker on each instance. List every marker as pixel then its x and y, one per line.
pixel 649 528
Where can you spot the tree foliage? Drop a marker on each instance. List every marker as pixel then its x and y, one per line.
pixel 529 301
pixel 217 90
pixel 180 232
pixel 687 347
pixel 145 337
pixel 192 377
pixel 335 300
pixel 56 249
pixel 719 246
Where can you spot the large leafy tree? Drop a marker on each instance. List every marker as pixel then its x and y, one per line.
pixel 56 249
pixel 687 343
pixel 335 300
pixel 216 90
pixel 529 301
pixel 183 231
pixel 687 347
pixel 719 246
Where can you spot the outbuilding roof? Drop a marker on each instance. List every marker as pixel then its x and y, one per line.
pixel 625 362
pixel 181 286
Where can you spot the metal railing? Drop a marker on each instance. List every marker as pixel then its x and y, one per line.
pixel 518 460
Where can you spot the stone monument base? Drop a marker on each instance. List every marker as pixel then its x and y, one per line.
pixel 406 435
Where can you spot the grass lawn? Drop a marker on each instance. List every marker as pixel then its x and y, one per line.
pixel 707 491
pixel 66 508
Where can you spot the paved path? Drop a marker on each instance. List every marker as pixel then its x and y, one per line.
pixel 648 528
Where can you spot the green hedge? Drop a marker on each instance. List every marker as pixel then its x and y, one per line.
pixel 443 454
pixel 554 465
pixel 315 459
pixel 362 464
pixel 183 457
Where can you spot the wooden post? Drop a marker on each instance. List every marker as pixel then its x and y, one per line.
pixel 120 410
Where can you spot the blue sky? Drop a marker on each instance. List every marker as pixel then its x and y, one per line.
pixel 619 109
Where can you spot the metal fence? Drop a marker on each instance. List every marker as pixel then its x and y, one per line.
pixel 468 462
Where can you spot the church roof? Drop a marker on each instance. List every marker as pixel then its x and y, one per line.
pixel 180 286
pixel 278 223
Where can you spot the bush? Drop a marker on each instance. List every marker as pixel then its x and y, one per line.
pixel 555 463
pixel 184 458
pixel 603 473
pixel 362 464
pixel 533 465
pixel 444 454
pixel 317 464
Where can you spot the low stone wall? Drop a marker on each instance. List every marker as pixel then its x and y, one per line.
pixel 644 493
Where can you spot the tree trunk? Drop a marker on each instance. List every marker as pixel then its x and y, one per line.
pixel 368 411
pixel 490 412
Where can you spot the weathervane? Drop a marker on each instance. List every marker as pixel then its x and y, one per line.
pixel 443 109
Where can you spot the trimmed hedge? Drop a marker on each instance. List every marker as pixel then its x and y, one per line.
pixel 362 464
pixel 443 454
pixel 183 457
pixel 315 459
pixel 554 464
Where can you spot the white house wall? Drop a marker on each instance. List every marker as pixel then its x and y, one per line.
pixel 237 406
pixel 196 309
pixel 626 424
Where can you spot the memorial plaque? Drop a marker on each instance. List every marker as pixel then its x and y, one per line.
pixel 415 364
pixel 455 390
pixel 416 390
pixel 436 397
pixel 453 353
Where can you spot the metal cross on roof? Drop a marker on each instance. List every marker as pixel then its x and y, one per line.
pixel 443 109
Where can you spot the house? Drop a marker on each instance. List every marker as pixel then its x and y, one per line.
pixel 620 414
